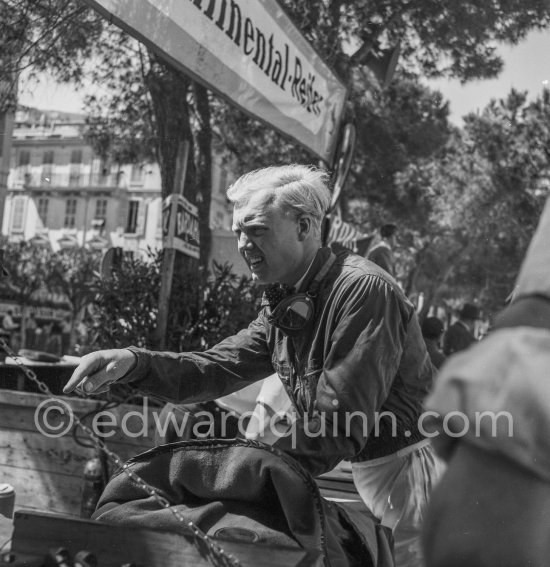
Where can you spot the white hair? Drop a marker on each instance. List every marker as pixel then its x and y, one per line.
pixel 295 188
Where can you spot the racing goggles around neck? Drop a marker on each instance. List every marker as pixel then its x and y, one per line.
pixel 294 312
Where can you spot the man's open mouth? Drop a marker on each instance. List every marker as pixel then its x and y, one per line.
pixel 254 261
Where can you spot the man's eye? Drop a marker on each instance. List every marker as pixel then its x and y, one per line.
pixel 258 231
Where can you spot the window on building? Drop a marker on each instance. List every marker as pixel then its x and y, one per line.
pixel 136 175
pixel 133 213
pixel 47 175
pixel 74 170
pixel 24 157
pixel 47 158
pixel 74 175
pixel 101 208
pixel 23 161
pixel 18 214
pixel 43 204
pixel 70 213
pixel 76 156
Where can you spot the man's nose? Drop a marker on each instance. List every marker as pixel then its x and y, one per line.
pixel 244 242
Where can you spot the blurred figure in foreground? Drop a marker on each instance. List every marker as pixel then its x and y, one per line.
pixel 492 506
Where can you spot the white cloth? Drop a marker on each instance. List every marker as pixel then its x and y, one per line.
pixel 534 276
pixel 242 401
pixel 396 489
pixel 8 323
pixel 267 404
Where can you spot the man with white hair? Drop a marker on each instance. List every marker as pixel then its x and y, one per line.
pixel 339 333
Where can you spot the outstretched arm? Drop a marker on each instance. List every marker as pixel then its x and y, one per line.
pixel 189 376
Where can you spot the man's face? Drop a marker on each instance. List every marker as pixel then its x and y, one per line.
pixel 269 240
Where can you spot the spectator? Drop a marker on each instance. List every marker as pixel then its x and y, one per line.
pixel 30 330
pixel 66 327
pixel 10 326
pixel 43 337
pixel 432 330
pixel 382 253
pixel 460 335
pixel 53 345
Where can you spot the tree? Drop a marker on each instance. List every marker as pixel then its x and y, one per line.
pixel 454 39
pixel 430 46
pixel 28 268
pixel 437 39
pixel 148 108
pixel 126 307
pixel 473 207
pixel 73 273
pixel 56 36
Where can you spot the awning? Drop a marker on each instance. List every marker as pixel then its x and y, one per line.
pixel 347 235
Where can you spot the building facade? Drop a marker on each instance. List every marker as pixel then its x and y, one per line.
pixel 60 194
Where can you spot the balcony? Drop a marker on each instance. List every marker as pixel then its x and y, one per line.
pixel 71 181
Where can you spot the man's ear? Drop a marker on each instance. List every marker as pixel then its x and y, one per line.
pixel 304 227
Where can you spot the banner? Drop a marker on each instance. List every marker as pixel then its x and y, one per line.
pixel 180 225
pixel 248 51
pixel 47 313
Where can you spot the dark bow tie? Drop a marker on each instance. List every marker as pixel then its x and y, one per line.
pixel 276 292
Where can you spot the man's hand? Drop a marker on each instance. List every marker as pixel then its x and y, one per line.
pixel 98 370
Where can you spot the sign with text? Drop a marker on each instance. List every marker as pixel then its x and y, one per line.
pixel 180 225
pixel 248 51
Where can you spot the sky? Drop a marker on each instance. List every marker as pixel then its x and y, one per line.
pixel 526 67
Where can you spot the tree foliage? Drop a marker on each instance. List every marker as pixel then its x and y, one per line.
pixel 126 307
pixel 473 207
pixel 28 269
pixel 53 36
pixel 73 274
pixel 451 191
pixel 28 272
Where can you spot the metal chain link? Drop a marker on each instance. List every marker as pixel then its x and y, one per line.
pixel 217 555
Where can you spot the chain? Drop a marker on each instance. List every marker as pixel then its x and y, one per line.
pixel 217 555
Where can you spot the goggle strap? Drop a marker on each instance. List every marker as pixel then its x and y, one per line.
pixel 312 290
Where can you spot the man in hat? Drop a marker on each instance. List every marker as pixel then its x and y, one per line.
pixel 460 335
pixel 432 329
pixel 382 253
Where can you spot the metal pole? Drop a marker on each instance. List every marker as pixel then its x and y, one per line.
pixel 169 255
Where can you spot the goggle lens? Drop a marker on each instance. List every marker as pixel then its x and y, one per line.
pixel 293 313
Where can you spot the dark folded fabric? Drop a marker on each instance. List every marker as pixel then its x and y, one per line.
pixel 223 484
